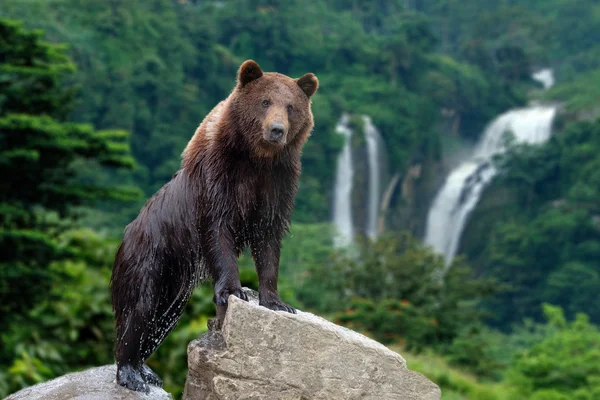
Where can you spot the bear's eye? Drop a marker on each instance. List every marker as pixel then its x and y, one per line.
pixel 290 108
pixel 266 103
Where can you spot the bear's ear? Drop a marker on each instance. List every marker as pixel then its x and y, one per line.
pixel 248 72
pixel 308 83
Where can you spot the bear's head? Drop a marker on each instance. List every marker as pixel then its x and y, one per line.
pixel 273 109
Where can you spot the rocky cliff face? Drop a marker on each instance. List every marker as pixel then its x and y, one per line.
pixel 263 354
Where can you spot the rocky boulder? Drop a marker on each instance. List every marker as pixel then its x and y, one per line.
pixel 93 384
pixel 264 354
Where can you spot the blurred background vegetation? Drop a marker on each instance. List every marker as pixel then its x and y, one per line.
pixel 99 98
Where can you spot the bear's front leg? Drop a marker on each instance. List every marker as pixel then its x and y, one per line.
pixel 221 260
pixel 265 252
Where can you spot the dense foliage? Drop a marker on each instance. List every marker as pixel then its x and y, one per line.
pixel 548 244
pixel 565 365
pixel 87 127
pixel 393 289
pixel 39 190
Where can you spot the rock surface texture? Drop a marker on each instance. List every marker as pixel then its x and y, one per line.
pixel 92 384
pixel 264 354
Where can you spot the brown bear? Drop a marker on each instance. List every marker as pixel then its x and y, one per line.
pixel 235 189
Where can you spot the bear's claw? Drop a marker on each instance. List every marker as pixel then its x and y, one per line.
pixel 277 305
pixel 221 296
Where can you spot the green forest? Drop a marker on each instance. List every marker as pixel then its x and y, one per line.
pixel 99 98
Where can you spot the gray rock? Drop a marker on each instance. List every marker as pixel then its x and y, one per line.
pixel 92 384
pixel 264 354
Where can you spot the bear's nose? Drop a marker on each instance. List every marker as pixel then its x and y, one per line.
pixel 277 131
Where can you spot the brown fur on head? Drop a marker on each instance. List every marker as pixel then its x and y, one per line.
pixel 266 114
pixel 275 106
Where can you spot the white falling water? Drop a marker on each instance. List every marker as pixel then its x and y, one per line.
pixel 545 77
pixel 374 153
pixel 342 203
pixel 463 188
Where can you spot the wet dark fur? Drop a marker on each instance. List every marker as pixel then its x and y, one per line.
pixel 234 191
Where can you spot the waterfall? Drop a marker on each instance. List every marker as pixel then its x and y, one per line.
pixel 464 185
pixel 374 154
pixel 342 202
pixel 344 182
pixel 545 77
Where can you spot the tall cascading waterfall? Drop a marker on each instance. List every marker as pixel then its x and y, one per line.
pixel 342 198
pixel 344 182
pixel 374 153
pixel 462 189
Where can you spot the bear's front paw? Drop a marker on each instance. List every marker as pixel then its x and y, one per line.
pixel 132 379
pixel 239 293
pixel 221 295
pixel 277 305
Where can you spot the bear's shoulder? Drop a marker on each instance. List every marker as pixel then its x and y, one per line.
pixel 205 132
